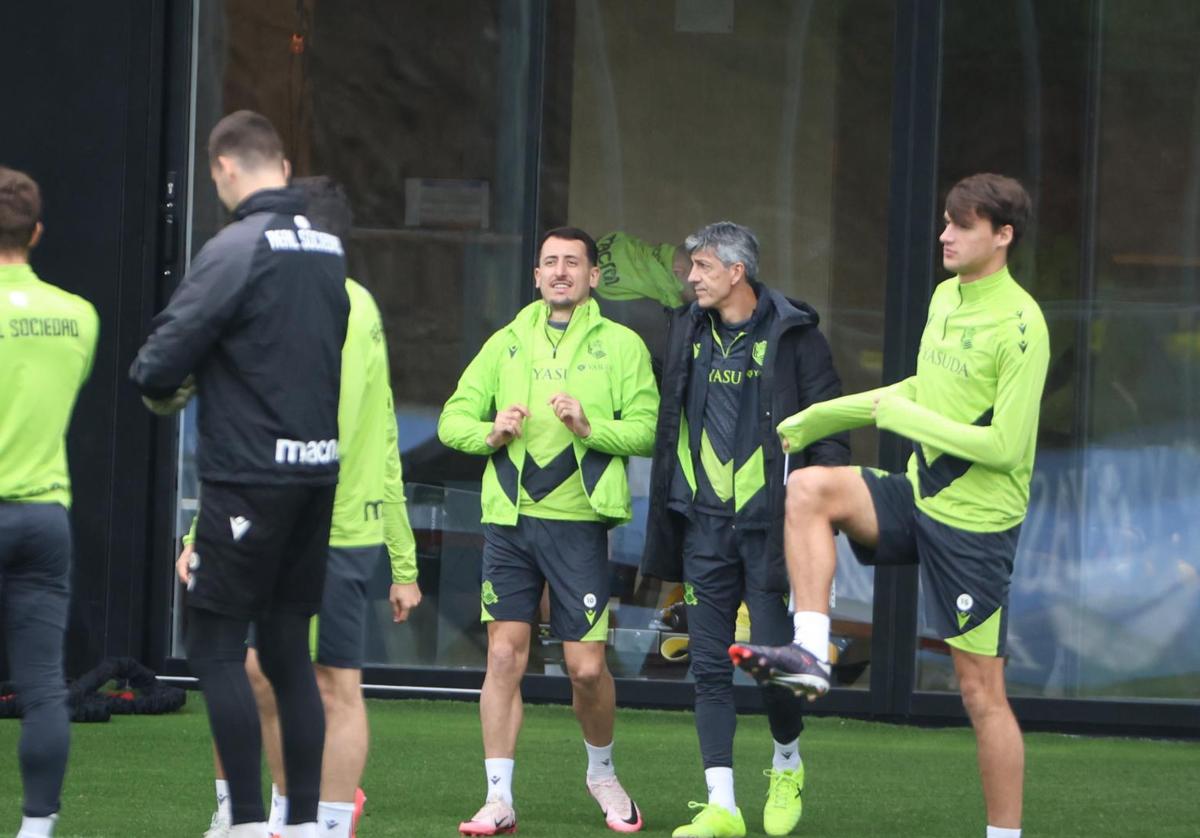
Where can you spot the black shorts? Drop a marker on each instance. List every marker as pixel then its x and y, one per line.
pixel 965 575
pixel 260 549
pixel 570 556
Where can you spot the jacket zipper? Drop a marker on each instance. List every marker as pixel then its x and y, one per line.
pixel 946 321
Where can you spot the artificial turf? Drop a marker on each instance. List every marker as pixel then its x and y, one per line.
pixel 151 776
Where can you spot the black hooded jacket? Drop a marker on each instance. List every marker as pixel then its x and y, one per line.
pixel 260 320
pixel 798 372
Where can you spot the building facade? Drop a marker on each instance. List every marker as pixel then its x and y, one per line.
pixel 462 128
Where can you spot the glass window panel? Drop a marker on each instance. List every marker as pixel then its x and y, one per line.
pixel 775 115
pixel 1106 590
pixel 422 111
pixel 656 118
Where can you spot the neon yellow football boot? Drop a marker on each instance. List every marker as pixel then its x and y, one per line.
pixel 784 800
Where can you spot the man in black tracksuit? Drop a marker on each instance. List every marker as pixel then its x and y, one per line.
pixel 259 321
pixel 737 360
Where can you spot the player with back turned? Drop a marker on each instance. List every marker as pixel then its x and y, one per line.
pixel 47 343
pixel 259 321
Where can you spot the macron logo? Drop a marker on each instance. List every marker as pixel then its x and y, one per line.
pixel 314 452
pixel 238 525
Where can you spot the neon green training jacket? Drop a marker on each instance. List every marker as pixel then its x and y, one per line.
pixel 369 506
pixel 972 408
pixel 631 269
pixel 47 345
pixel 609 373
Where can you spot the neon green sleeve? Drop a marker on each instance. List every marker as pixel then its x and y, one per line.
pixel 1021 372
pixel 463 424
pixel 189 537
pixel 397 533
pixel 632 435
pixel 836 415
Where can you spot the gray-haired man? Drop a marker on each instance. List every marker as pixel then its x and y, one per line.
pixel 736 359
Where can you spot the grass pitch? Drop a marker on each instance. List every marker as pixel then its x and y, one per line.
pixel 151 776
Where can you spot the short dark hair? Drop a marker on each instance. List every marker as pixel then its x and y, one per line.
pixel 328 206
pixel 20 209
pixel 999 199
pixel 248 136
pixel 571 234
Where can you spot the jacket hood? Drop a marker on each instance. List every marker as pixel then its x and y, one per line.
pixel 287 200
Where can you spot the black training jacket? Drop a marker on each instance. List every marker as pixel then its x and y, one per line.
pixel 260 320
pixel 799 372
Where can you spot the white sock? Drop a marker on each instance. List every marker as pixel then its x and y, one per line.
pixel 300 830
pixel 1001 832
pixel 37 827
pixel 787 756
pixel 499 779
pixel 278 817
pixel 600 762
pixel 812 632
pixel 224 808
pixel 248 830
pixel 334 819
pixel 720 787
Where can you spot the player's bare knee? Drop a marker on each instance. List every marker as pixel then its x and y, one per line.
pixel 506 659
pixel 980 698
pixel 587 674
pixel 341 689
pixel 807 490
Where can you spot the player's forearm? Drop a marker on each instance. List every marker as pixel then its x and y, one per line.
pixel 828 418
pixel 156 371
pixel 632 434
pixel 988 445
pixel 622 437
pixel 401 546
pixel 463 432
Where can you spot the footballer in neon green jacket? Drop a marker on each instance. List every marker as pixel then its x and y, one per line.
pixel 369 505
pixel 972 413
pixel 972 408
pixel 557 400
pixel 608 372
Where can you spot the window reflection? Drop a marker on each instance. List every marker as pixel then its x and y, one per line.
pixel 652 122
pixel 1106 590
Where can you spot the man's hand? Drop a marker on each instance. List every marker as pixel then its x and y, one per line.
pixel 174 403
pixel 507 426
pixel 885 409
pixel 183 565
pixel 791 433
pixel 404 598
pixel 570 412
